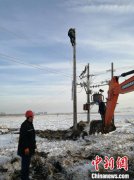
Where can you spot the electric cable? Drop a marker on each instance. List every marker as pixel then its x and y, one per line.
pixel 22 36
pixel 18 61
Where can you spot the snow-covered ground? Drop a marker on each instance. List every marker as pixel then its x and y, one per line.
pixel 119 142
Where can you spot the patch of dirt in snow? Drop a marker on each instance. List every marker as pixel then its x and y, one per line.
pixel 5 130
pixel 82 130
pixel 75 163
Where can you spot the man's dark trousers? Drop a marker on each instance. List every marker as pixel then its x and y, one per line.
pixel 25 163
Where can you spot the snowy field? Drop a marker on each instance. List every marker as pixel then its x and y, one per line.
pixel 118 142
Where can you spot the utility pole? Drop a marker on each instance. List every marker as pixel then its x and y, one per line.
pixel 87 90
pixel 112 74
pixel 88 94
pixel 112 70
pixel 72 35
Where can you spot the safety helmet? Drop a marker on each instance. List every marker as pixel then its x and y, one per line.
pixel 29 113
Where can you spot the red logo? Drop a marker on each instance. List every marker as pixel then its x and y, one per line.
pixel 121 163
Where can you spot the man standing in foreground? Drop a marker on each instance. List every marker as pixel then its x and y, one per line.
pixel 27 144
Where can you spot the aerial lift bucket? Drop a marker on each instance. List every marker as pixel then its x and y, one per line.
pixel 96 125
pixel 114 90
pixel 96 97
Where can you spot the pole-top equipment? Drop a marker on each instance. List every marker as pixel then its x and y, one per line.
pixel 71 34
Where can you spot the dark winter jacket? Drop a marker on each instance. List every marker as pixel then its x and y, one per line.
pixel 102 108
pixel 27 138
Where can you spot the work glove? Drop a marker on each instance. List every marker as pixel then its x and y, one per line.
pixel 26 151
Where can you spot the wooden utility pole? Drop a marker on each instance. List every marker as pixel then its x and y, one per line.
pixel 87 90
pixel 88 94
pixel 75 89
pixel 112 70
pixel 112 74
pixel 72 35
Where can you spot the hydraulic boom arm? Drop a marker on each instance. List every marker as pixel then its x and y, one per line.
pixel 114 90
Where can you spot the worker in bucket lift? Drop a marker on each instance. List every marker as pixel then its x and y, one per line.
pixel 27 144
pixel 102 110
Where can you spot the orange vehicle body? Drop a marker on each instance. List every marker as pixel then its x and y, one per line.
pixel 113 93
pixel 114 90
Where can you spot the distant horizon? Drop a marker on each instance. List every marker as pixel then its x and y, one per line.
pixel 59 113
pixel 36 56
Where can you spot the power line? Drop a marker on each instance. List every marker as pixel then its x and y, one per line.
pixel 109 70
pixel 106 71
pixel 18 35
pixel 11 32
pixel 22 36
pixel 98 85
pixel 18 61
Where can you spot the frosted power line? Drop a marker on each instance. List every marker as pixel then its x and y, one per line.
pixel 109 70
pixel 22 36
pixel 18 61
pixel 11 32
pixel 18 35
pixel 99 85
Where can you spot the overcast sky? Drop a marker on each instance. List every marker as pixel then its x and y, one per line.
pixel 36 54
